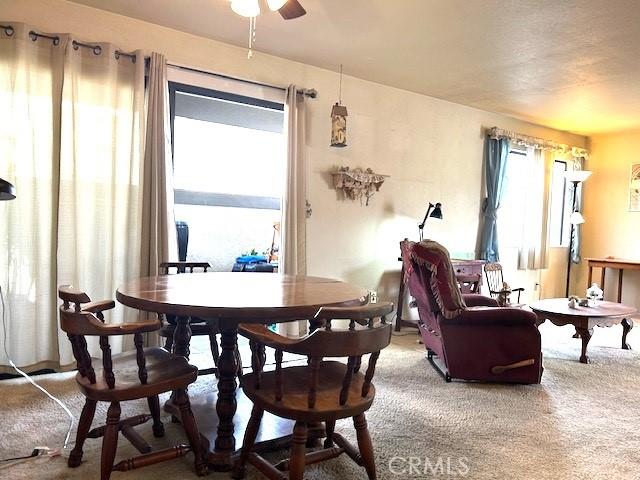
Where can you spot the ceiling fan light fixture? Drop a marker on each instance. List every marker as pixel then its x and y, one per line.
pixel 246 8
pixel 276 4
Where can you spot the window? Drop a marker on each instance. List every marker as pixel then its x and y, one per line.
pixel 559 226
pixel 522 215
pixel 229 160
pixel 515 215
pixel 512 206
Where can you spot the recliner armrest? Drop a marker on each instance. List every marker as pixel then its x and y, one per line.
pixel 477 300
pixel 485 316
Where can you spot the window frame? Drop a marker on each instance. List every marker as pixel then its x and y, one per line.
pixel 192 197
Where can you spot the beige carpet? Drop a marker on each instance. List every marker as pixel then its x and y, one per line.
pixel 582 422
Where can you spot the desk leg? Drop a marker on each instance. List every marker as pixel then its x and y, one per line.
pixel 620 285
pixel 590 276
pixel 603 271
pixel 226 404
pixel 627 325
pixel 400 302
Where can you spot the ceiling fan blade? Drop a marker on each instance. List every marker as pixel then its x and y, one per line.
pixel 292 9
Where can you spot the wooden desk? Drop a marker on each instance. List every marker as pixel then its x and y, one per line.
pixel 604 263
pixel 603 314
pixel 469 276
pixel 232 298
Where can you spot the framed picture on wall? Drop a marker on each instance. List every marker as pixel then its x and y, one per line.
pixel 634 188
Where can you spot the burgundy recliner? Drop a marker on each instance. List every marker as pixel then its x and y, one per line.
pixel 474 339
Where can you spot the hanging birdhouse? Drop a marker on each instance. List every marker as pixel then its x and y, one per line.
pixel 339 125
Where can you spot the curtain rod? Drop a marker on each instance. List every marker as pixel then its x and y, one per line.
pixel 97 49
pixel 535 142
pixel 307 92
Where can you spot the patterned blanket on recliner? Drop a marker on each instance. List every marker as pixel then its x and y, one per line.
pixel 435 259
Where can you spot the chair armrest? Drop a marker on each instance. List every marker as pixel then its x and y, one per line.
pixel 484 316
pixel 519 289
pixel 261 334
pixel 476 300
pixel 131 328
pixel 360 312
pixel 86 323
pixel 100 306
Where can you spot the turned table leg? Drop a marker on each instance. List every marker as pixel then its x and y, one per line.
pixel 226 404
pixel 627 325
pixel 182 337
pixel 585 335
pixel 181 340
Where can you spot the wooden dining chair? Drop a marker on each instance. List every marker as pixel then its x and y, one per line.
pixel 321 391
pixel 143 373
pixel 198 326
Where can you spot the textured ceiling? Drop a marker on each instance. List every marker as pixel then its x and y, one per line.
pixel 570 64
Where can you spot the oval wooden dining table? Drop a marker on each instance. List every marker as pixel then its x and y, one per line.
pixel 231 299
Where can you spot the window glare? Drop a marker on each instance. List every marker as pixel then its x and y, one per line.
pixel 218 158
pixel 512 205
pixel 558 219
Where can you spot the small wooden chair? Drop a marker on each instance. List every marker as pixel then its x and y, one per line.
pixel 495 280
pixel 322 391
pixel 198 326
pixel 143 373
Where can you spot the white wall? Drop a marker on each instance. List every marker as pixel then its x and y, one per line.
pixel 432 149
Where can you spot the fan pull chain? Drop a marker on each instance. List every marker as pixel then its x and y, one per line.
pixel 252 35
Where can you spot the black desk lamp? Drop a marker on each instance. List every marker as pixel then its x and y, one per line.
pixel 434 211
pixel 7 190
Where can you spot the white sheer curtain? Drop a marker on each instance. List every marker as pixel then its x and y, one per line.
pixel 72 146
pixel 293 260
pixel 30 86
pixel 532 252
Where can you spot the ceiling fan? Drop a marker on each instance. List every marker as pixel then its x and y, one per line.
pixel 289 9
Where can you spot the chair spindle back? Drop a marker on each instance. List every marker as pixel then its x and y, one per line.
pixel 79 317
pixel 493 272
pixel 183 267
pixel 367 334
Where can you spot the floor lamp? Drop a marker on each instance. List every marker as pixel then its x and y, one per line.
pixel 433 211
pixel 575 177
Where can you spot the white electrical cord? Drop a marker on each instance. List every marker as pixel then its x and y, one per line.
pixel 11 362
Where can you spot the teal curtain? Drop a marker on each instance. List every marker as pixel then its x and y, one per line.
pixel 496 153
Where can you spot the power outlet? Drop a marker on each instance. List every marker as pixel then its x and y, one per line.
pixel 373 297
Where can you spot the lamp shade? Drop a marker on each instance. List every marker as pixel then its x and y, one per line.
pixel 577 175
pixel 437 211
pixel 7 190
pixel 275 4
pixel 576 218
pixel 246 8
